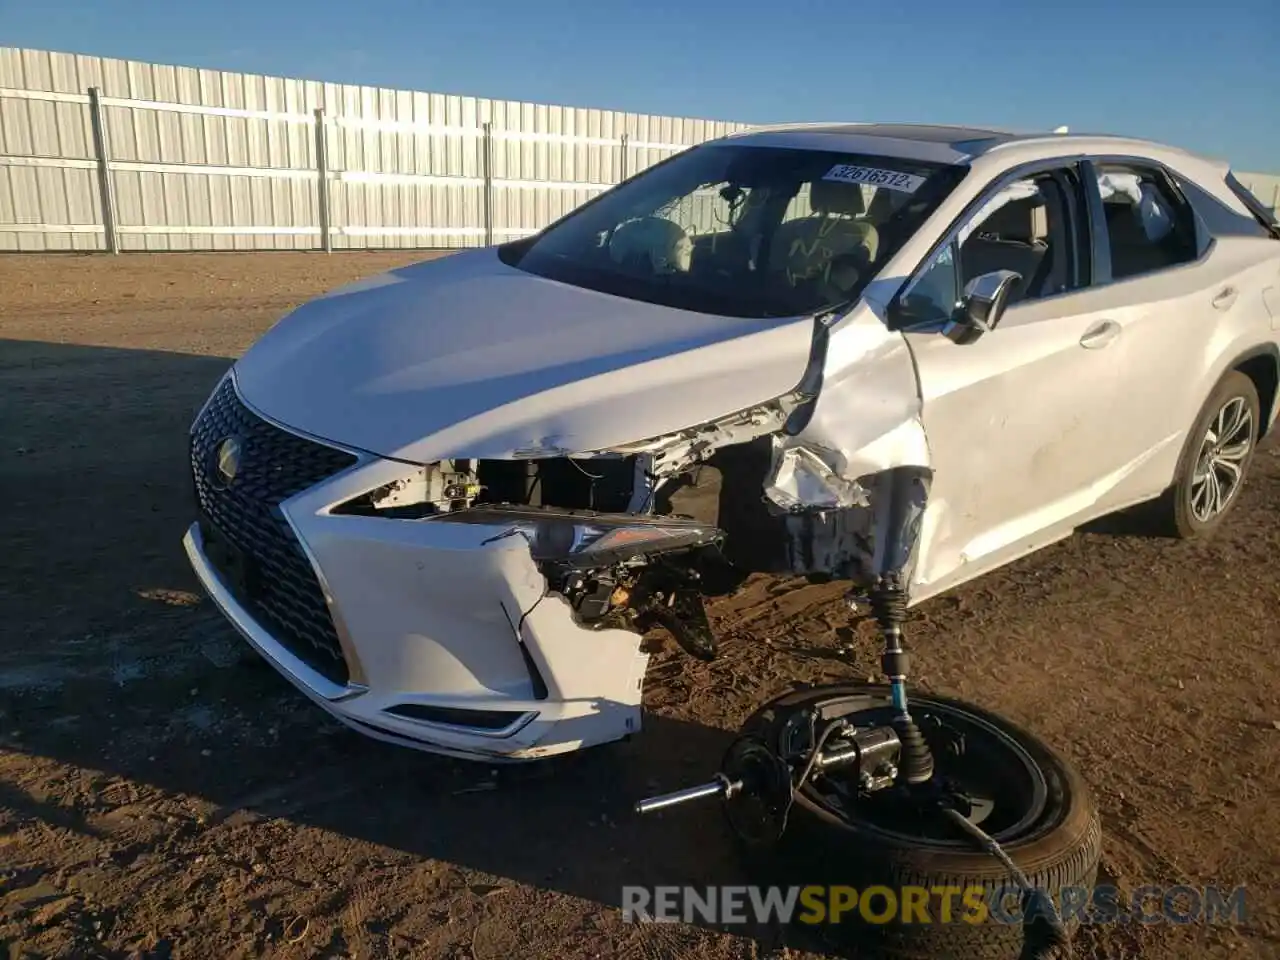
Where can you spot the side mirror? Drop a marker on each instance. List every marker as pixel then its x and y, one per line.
pixel 983 304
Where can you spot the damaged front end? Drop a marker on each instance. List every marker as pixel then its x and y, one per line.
pixel 631 538
pixel 638 535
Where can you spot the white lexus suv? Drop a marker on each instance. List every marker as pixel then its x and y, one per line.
pixel 445 502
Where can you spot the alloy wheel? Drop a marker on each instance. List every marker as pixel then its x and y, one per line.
pixel 1220 465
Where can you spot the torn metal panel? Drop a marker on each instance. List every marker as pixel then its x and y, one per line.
pixel 837 543
pixel 573 662
pixel 863 542
pixel 901 497
pixel 443 486
pixel 802 479
pixel 868 410
pixel 853 476
pixel 670 454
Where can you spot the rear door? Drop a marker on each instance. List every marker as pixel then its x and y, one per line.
pixel 1181 298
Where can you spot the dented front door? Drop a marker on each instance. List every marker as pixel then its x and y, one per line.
pixel 1019 425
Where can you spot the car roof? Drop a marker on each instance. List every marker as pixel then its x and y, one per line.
pixel 922 132
pixel 942 143
pixel 935 142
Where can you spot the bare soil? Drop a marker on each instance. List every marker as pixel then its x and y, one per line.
pixel 164 795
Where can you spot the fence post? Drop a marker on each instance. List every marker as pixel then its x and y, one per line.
pixel 486 166
pixel 322 181
pixel 622 167
pixel 106 195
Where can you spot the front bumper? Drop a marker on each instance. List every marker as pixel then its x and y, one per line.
pixel 438 619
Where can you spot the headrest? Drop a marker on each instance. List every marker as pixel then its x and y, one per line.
pixel 1013 221
pixel 881 206
pixel 834 197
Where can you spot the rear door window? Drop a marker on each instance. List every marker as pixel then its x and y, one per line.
pixel 1150 225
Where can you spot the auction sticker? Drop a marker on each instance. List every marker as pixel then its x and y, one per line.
pixel 890 179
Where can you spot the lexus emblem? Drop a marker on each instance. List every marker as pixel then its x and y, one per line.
pixel 226 460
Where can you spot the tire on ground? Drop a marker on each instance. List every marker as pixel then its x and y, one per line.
pixel 1060 850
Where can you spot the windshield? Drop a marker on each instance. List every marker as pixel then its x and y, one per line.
pixel 742 231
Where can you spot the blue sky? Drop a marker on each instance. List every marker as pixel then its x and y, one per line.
pixel 1204 75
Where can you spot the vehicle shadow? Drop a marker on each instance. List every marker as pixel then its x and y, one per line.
pixel 565 824
pixel 107 666
pixel 1149 520
pixel 1142 520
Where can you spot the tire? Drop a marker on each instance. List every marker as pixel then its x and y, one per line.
pixel 1178 507
pixel 1061 848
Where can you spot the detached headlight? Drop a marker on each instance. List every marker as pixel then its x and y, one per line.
pixel 583 540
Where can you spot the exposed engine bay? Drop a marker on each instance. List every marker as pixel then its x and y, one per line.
pixel 637 536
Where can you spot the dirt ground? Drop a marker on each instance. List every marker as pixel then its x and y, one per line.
pixel 164 795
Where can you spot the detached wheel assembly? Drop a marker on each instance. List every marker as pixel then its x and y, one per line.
pixel 841 830
pixel 927 828
pixel 839 816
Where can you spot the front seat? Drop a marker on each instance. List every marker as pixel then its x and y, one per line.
pixel 1007 240
pixel 829 246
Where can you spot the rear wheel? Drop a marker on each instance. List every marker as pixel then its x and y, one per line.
pixel 967 904
pixel 1215 460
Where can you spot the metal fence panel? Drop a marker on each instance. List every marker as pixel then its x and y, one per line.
pixel 37 202
pixel 206 159
pixel 199 159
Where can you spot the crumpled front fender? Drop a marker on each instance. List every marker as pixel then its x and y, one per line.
pixel 851 471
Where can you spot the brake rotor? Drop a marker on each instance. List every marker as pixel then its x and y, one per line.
pixel 757 812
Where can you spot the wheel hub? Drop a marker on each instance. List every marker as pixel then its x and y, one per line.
pixel 985 776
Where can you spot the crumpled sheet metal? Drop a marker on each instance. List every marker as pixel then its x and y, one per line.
pixel 801 479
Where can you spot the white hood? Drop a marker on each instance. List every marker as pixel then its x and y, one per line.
pixel 465 356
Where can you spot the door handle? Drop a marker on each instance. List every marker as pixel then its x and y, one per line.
pixel 1225 298
pixel 1100 334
